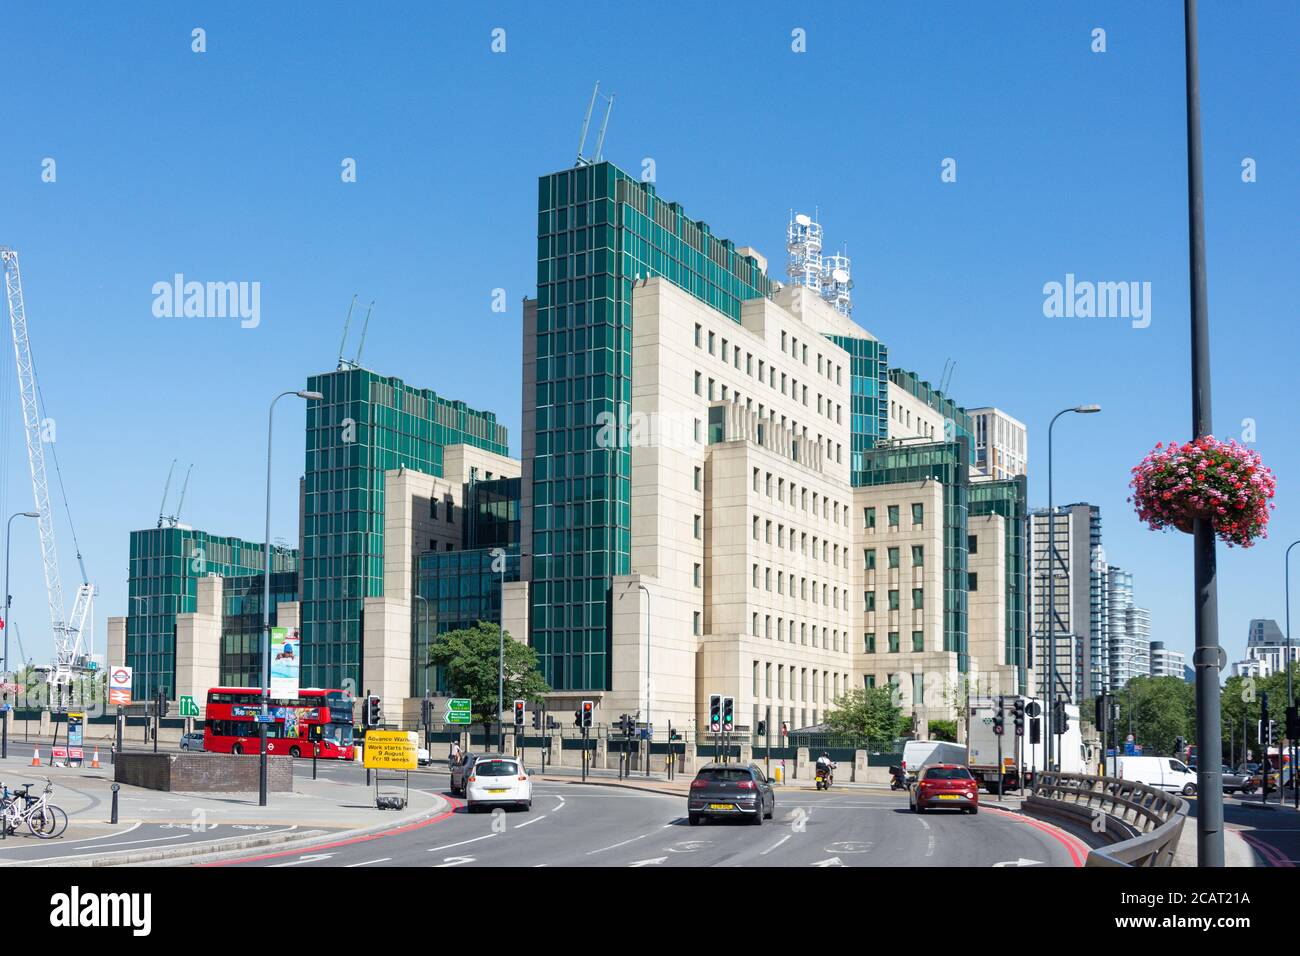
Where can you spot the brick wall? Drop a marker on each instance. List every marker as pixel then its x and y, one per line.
pixel 202 772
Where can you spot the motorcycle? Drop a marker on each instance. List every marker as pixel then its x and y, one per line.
pixel 824 778
pixel 899 781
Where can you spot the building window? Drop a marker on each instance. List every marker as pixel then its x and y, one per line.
pixel 699 477
pixel 756 575
pixel 698 379
pixel 893 516
pixel 711 343
pixel 918 688
pixel 918 556
pixel 698 578
pixel 893 600
pixel 447 501
pixel 918 513
pixel 698 330
pixel 869 681
pixel 870 598
pixel 893 557
pixel 893 642
pixel 973 581
pixel 697 617
pixel 918 641
pixel 869 518
pixel 973 544
pixel 918 598
pixel 869 556
pixel 869 642
pixel 698 526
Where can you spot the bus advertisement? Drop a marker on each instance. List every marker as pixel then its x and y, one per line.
pixel 316 717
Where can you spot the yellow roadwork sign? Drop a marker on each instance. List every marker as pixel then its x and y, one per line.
pixel 390 750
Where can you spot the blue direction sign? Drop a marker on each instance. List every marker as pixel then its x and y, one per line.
pixel 264 718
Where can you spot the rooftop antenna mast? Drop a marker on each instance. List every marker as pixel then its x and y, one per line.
pixel 356 362
pixel 162 507
pixel 586 125
pixel 346 324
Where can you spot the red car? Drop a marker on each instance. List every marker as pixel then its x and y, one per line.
pixel 945 785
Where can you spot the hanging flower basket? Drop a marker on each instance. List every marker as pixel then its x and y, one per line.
pixel 1223 482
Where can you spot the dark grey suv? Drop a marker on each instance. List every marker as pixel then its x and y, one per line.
pixel 730 790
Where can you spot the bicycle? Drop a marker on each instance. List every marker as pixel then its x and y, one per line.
pixel 45 820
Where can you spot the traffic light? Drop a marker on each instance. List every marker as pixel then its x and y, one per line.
pixel 586 711
pixel 577 716
pixel 426 712
pixel 1018 712
pixel 1179 745
pixel 715 713
pixel 1099 706
pixel 537 720
pixel 762 728
pixel 1292 723
pixel 1060 722
pixel 374 713
pixel 1035 730
pixel 728 714
pixel 162 703
pixel 622 724
pixel 519 713
pixel 999 719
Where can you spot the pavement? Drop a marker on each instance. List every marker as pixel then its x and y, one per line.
pixel 156 826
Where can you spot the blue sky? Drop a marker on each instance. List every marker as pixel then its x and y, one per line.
pixel 225 166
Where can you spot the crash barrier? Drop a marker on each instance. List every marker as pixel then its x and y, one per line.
pixel 1140 824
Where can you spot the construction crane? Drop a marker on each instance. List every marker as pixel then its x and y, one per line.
pixel 70 658
pixel 173 520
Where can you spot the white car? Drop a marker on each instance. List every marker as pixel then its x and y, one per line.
pixel 422 756
pixel 498 780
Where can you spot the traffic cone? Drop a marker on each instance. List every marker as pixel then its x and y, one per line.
pixel 36 756
pixel 94 759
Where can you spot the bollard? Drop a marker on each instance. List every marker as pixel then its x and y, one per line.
pixel 114 817
pixel 315 749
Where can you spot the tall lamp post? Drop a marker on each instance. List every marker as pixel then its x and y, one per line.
pixel 1209 812
pixel 647 679
pixel 1049 696
pixel 1290 691
pixel 266 594
pixel 4 734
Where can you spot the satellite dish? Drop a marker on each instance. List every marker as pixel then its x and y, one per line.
pixel 839 275
pixel 803 220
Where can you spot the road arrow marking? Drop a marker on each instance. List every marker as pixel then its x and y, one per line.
pixel 1020 862
pixel 833 861
pixel 455 860
pixel 656 860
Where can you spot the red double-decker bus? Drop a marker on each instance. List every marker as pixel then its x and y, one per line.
pixel 230 726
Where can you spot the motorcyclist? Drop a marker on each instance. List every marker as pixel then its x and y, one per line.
pixel 826 766
pixel 900 778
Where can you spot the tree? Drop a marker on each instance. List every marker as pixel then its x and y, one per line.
pixel 1162 708
pixel 943 730
pixel 869 713
pixel 1239 710
pixel 469 659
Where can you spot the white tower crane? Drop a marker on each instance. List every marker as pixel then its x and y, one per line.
pixel 69 656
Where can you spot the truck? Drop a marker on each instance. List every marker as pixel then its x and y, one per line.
pixel 982 743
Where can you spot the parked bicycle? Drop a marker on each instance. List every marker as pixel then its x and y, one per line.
pixel 43 819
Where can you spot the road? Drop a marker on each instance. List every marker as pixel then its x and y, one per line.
pixel 574 824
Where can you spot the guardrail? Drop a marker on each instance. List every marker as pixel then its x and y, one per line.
pixel 1143 823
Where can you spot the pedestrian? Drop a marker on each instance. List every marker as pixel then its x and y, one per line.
pixel 454 756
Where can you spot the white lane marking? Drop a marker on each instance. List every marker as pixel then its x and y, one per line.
pixel 520 826
pixel 448 846
pixel 651 862
pixel 308 858
pixel 455 861
pixel 775 845
pixel 561 799
pixel 105 836
pixel 833 861
pixel 617 845
pixel 1020 862
pixel 382 859
pixel 929 850
pixel 924 823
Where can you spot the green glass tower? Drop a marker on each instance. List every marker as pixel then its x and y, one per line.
pixel 1010 499
pixel 165 567
pixel 869 388
pixel 598 229
pixel 364 425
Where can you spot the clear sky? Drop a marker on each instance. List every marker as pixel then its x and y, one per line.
pixel 225 166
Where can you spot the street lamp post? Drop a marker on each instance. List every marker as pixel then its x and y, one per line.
pixel 1049 695
pixel 1290 691
pixel 266 595
pixel 4 734
pixel 648 736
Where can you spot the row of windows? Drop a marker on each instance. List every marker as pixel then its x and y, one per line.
pixel 832 410
pixel 830 595
pixel 904 417
pixel 893 514
pixel 918 599
pixel 832 554
pixel 790 345
pixel 893 646
pixel 829 510
pixel 827 638
pixel 893 556
pixel 831 685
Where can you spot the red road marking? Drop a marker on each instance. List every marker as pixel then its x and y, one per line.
pixel 1073 844
pixel 1271 854
pixel 360 839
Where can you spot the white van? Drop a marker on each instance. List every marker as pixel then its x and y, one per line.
pixel 918 753
pixel 1164 773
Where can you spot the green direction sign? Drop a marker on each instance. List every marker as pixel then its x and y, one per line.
pixel 188 707
pixel 458 709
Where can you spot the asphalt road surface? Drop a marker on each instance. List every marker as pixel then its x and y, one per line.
pixel 573 824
